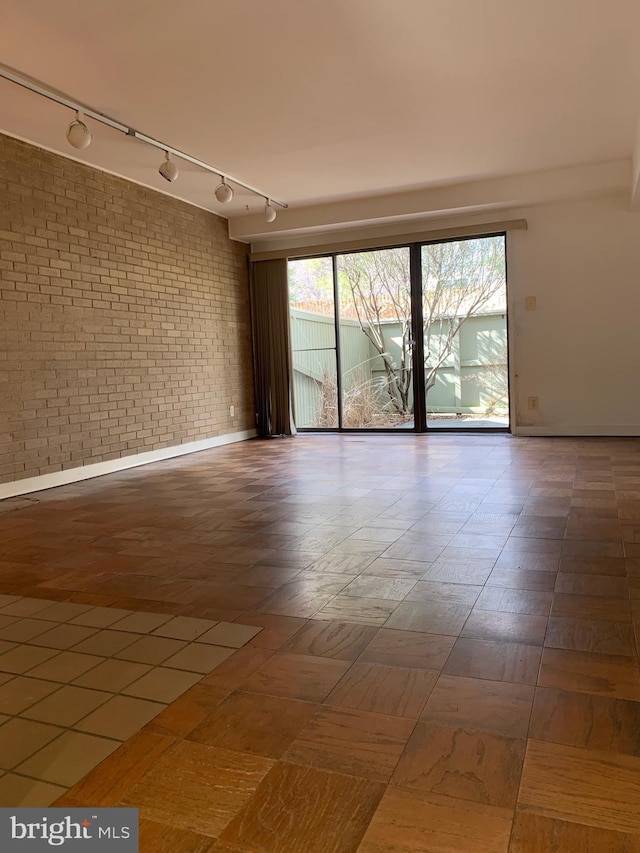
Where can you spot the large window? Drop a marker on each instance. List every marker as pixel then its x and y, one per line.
pixel 464 331
pixel 313 343
pixel 374 313
pixel 403 338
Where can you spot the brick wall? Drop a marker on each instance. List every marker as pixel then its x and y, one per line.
pixel 124 319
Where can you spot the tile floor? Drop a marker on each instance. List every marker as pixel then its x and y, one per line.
pixel 447 658
pixel 77 681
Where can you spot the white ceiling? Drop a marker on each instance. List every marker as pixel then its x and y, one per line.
pixel 318 101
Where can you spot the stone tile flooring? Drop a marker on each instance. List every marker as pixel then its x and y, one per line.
pixel 77 681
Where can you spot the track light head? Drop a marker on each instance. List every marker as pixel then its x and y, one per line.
pixel 78 134
pixel 269 212
pixel 168 170
pixel 224 193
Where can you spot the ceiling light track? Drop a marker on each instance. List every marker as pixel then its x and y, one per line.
pixel 84 111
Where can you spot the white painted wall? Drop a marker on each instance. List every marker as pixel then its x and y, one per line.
pixel 579 351
pixel 406 211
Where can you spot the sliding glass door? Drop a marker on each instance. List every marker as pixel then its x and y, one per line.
pixel 464 327
pixel 413 337
pixel 313 343
pixel 374 313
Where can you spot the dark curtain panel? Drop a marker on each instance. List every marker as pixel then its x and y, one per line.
pixel 272 348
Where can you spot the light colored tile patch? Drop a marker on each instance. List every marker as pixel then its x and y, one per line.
pixel 199 657
pixel 23 630
pixel 67 706
pixel 65 667
pixel 100 617
pixel 229 634
pixel 106 643
pixel 153 650
pixel 21 738
pixel 184 628
pixel 17 791
pixel 63 636
pixel 68 758
pixel 26 606
pixel 63 611
pixel 24 658
pixel 112 675
pixel 162 684
pixel 36 743
pixel 120 717
pixel 21 693
pixel 141 623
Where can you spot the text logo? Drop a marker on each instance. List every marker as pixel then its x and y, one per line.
pixel 80 830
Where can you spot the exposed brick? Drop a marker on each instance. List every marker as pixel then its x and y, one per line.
pixel 124 318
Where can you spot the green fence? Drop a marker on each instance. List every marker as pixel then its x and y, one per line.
pixel 472 380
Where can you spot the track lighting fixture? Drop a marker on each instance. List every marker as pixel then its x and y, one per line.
pixel 224 193
pixel 168 169
pixel 269 212
pixel 78 134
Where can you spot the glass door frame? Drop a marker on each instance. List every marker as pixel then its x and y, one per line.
pixel 420 425
pixel 419 390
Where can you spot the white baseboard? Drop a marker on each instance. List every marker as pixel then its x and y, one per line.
pixel 579 430
pixel 97 469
